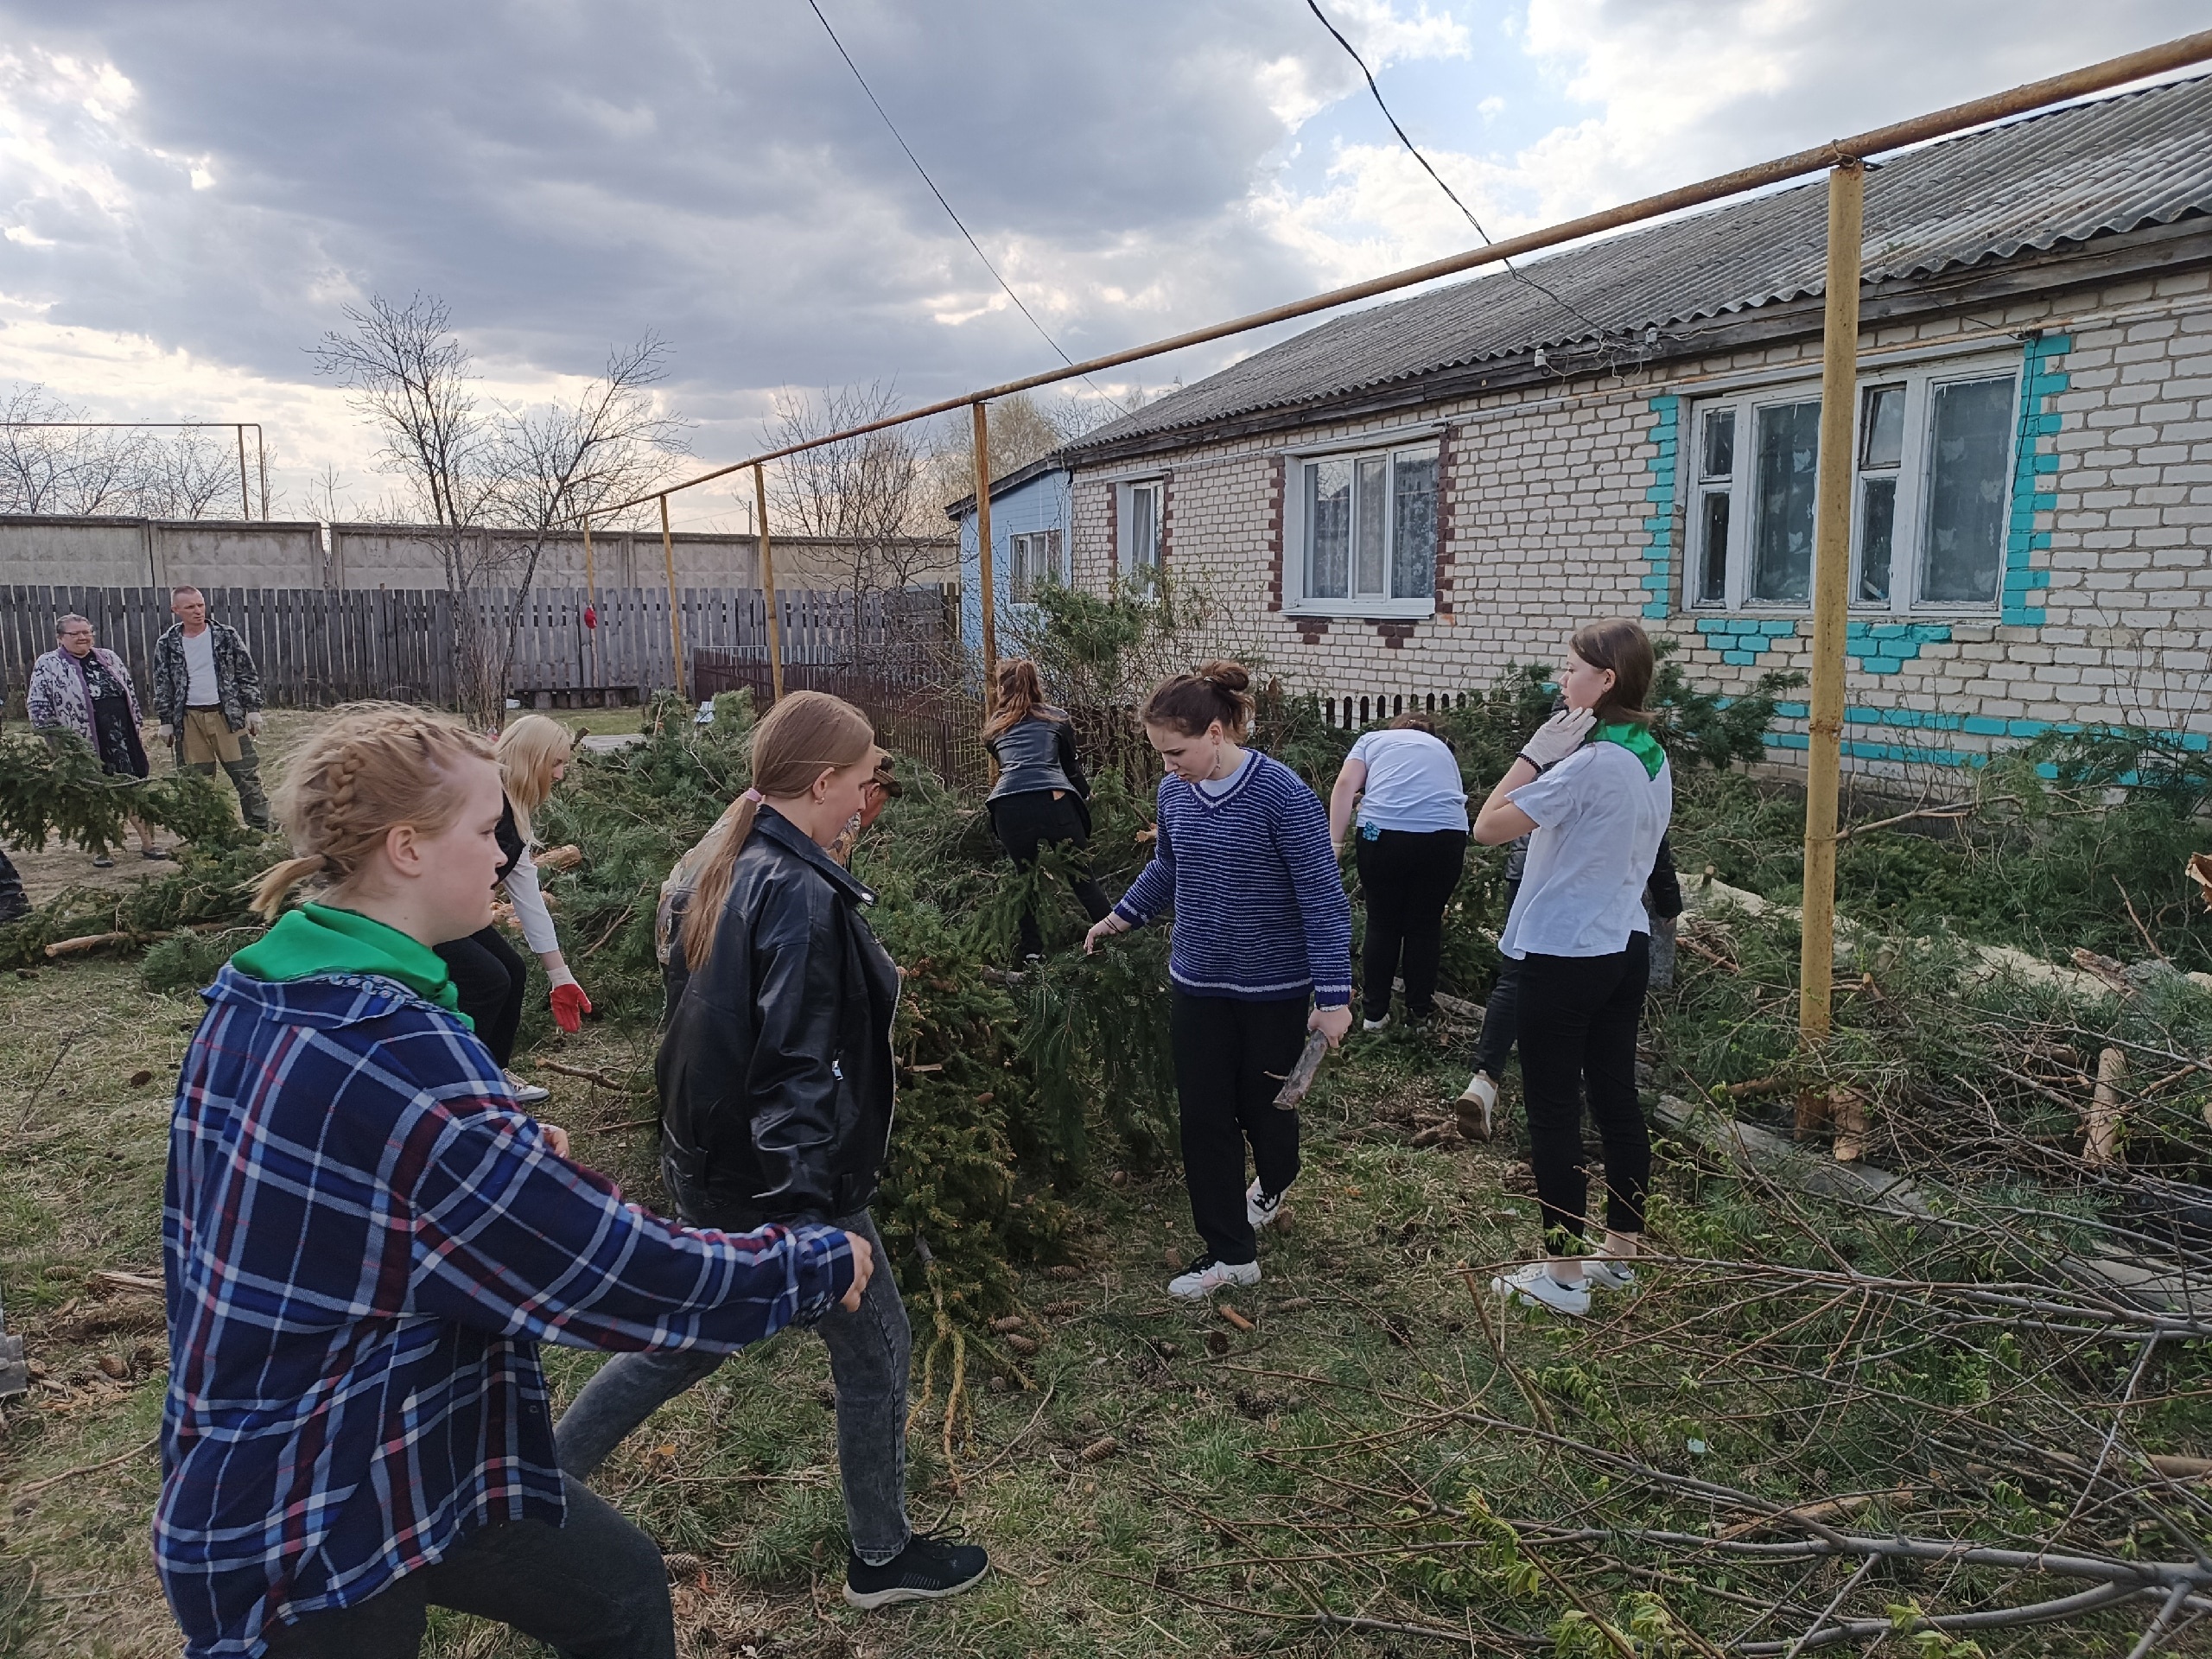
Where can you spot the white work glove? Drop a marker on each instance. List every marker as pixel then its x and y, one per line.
pixel 1557 738
pixel 560 975
pixel 253 724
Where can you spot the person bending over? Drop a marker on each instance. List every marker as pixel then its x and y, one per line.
pixel 1593 793
pixel 1042 798
pixel 1412 846
pixel 365 1240
pixel 1262 935
pixel 775 1075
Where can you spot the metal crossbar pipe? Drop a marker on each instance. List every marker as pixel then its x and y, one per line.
pixel 1899 134
pixel 260 448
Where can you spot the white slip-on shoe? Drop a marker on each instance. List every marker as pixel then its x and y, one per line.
pixel 1261 1208
pixel 1607 1272
pixel 1534 1286
pixel 1207 1275
pixel 1376 1024
pixel 1478 1107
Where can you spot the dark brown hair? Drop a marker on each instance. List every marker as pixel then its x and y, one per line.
pixel 1619 643
pixel 1188 704
pixel 1415 723
pixel 1020 694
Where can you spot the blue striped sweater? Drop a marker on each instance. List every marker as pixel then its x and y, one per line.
pixel 1260 909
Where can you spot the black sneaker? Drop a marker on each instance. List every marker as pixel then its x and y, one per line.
pixel 932 1565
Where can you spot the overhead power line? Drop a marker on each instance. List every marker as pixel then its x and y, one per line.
pixel 893 128
pixel 1414 149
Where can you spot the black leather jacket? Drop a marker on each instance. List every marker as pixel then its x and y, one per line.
pixel 775 1070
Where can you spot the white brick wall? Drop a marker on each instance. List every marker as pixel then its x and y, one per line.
pixel 1546 511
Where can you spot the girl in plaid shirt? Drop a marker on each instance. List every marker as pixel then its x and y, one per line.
pixel 366 1239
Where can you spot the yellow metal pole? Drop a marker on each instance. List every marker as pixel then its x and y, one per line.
pixel 770 604
pixel 675 610
pixel 1831 596
pixel 984 555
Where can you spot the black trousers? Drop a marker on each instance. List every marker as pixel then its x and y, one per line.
pixel 1230 1059
pixel 1408 878
pixel 1032 820
pixel 491 980
pixel 14 901
pixel 594 1589
pixel 1579 1017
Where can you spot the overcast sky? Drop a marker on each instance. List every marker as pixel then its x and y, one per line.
pixel 191 190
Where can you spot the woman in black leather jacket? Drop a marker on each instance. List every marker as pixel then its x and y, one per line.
pixel 775 1075
pixel 1042 796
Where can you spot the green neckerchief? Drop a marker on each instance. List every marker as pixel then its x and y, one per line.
pixel 1637 740
pixel 319 940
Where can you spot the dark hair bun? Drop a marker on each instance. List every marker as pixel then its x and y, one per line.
pixel 1230 676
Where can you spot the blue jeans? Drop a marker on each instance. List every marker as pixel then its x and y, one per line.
pixel 869 1357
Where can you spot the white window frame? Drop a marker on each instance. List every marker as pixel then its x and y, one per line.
pixel 1129 558
pixel 1033 557
pixel 1920 379
pixel 1297 556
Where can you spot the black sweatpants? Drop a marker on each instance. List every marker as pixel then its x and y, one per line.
pixel 1579 1018
pixel 595 1588
pixel 491 980
pixel 1032 819
pixel 1407 877
pixel 1230 1059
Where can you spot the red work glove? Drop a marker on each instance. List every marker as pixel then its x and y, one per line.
pixel 569 1006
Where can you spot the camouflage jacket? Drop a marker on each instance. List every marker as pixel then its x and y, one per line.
pixel 236 680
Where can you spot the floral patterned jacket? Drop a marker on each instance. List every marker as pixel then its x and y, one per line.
pixel 58 701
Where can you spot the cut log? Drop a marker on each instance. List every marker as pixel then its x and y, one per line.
pixel 1302 1075
pixel 560 858
pixel 1849 1106
pixel 88 942
pixel 2181 1468
pixel 2101 1133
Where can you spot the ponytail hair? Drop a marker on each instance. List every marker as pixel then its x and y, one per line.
pixel 1188 704
pixel 372 767
pixel 1020 694
pixel 1620 643
pixel 806 734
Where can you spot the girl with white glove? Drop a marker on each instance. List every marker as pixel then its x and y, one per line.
pixel 1592 791
pixel 534 753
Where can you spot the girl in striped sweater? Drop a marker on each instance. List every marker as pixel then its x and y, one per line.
pixel 1260 955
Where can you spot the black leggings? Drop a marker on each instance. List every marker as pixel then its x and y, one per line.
pixel 1030 820
pixel 491 980
pixel 1230 1059
pixel 1407 877
pixel 1579 1018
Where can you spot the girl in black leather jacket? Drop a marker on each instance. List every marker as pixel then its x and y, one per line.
pixel 1041 796
pixel 775 1075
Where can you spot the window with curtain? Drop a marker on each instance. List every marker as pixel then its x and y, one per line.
pixel 1367 525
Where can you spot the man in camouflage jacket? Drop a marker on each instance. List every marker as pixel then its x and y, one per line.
pixel 219 721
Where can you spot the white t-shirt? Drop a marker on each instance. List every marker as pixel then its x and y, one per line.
pixel 200 690
pixel 1413 783
pixel 1599 820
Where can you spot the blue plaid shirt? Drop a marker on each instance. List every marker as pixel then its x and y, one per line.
pixel 366 1239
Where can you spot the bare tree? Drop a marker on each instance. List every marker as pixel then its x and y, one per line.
pixel 50 464
pixel 860 492
pixel 466 473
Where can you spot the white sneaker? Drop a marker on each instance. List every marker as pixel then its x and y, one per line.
pixel 1606 1272
pixel 1259 1208
pixel 1478 1107
pixel 1207 1276
pixel 1534 1286
pixel 525 1093
pixel 1375 1025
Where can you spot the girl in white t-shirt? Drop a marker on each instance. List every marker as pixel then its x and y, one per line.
pixel 1411 845
pixel 1593 793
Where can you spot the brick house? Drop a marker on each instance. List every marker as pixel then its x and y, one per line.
pixel 1401 502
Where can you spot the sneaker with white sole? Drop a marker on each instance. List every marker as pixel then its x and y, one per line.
pixel 1478 1107
pixel 525 1093
pixel 1534 1286
pixel 1383 1024
pixel 1607 1272
pixel 1209 1273
pixel 932 1566
pixel 1261 1208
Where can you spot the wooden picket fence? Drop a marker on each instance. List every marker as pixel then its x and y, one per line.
pixel 316 646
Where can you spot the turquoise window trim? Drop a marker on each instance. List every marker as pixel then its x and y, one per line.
pixel 1886 647
pixel 2035 479
pixel 1917 720
pixel 1659 528
pixel 1742 640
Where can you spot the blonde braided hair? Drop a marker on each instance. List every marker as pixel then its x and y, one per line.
pixel 371 767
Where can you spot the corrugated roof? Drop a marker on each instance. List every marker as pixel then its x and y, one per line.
pixel 2144 158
